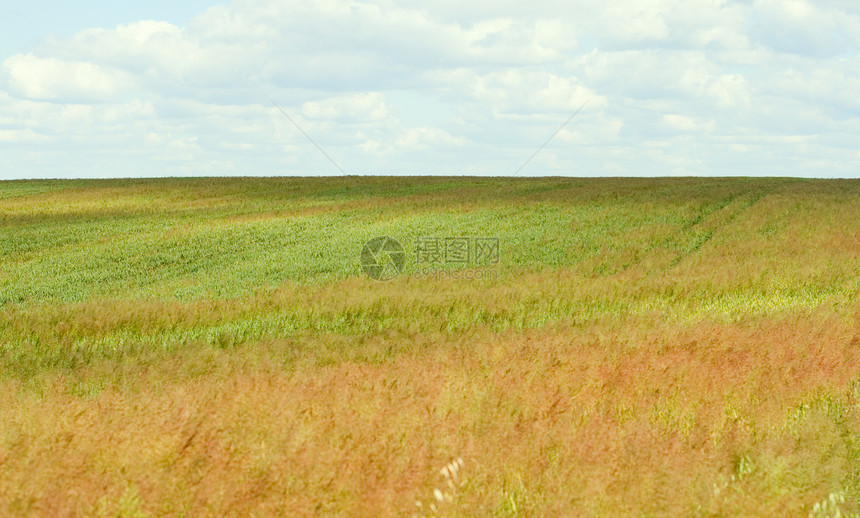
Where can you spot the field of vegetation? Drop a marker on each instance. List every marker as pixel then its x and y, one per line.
pixel 211 347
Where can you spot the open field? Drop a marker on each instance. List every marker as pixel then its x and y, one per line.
pixel 209 347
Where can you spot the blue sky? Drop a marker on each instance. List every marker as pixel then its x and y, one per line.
pixel 674 87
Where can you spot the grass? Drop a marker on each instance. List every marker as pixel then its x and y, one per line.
pixel 648 347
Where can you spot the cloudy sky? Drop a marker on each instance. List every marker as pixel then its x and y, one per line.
pixel 670 87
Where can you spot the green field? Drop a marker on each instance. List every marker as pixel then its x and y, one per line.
pixel 658 347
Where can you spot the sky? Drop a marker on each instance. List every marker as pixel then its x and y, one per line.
pixel 399 87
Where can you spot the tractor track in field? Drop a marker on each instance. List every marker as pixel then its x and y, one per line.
pixel 709 222
pixel 706 221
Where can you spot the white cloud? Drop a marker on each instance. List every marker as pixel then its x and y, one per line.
pixel 424 138
pixel 52 78
pixel 646 21
pixel 163 54
pixel 238 146
pixel 726 91
pixel 21 136
pixel 364 107
pixel 706 86
pixel 802 27
pixel 685 124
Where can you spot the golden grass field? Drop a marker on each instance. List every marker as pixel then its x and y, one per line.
pixel 645 347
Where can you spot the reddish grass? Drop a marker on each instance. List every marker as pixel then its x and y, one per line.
pixel 561 422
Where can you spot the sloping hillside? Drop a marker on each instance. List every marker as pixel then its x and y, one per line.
pixel 667 346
